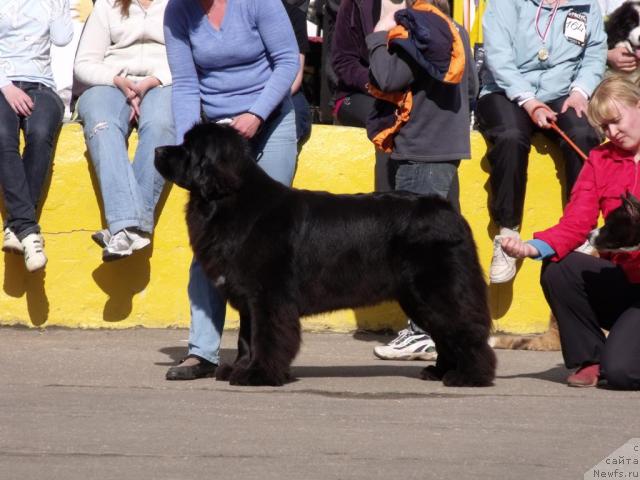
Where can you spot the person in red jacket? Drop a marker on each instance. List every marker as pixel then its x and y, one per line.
pixel 586 293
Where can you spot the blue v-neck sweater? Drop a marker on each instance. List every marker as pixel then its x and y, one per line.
pixel 248 65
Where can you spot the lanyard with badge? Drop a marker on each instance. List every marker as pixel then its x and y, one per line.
pixel 543 53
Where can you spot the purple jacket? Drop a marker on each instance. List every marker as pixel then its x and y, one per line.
pixel 349 53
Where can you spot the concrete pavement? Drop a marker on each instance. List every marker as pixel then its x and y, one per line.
pixel 93 404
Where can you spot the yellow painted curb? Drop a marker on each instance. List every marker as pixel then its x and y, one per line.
pixel 149 289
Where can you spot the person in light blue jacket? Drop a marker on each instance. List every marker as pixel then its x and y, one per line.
pixel 544 58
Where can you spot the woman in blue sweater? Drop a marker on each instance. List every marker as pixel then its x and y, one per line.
pixel 232 61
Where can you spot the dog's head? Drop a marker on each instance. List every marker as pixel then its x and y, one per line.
pixel 621 230
pixel 623 26
pixel 210 163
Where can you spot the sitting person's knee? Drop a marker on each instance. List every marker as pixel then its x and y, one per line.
pixel 514 137
pixel 551 274
pixel 620 374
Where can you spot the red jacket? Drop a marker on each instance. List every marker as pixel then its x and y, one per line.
pixel 608 173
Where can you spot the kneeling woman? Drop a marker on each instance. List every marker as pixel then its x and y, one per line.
pixel 586 293
pixel 123 61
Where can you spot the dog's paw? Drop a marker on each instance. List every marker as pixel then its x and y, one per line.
pixel 223 372
pixel 257 377
pixel 431 373
pixel 454 378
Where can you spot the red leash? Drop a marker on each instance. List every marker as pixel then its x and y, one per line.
pixel 560 132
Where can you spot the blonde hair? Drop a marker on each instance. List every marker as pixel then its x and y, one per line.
pixel 602 106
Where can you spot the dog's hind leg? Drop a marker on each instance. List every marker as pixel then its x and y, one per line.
pixel 452 305
pixel 275 341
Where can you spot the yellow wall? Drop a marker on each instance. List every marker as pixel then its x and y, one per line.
pixel 149 289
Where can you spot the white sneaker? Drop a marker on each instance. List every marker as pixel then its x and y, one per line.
pixel 503 267
pixel 11 242
pixel 34 257
pixel 408 345
pixel 101 237
pixel 124 243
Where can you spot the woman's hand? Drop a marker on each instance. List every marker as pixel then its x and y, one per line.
pixel 126 86
pixel 144 85
pixel 516 248
pixel 247 124
pixel 577 101
pixel 18 100
pixel 622 60
pixel 135 109
pixel 540 113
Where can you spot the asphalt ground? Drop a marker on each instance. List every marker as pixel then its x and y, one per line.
pixel 94 404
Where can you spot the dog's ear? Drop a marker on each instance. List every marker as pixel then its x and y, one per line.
pixel 631 206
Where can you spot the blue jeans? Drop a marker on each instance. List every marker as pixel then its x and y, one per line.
pixel 303 117
pixel 429 178
pixel 275 149
pixel 22 178
pixel 130 190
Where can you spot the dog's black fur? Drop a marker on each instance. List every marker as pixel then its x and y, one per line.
pixel 621 230
pixel 277 253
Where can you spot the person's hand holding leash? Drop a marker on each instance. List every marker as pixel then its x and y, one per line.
pixel 18 100
pixel 516 248
pixel 540 113
pixel 247 124
pixel 577 101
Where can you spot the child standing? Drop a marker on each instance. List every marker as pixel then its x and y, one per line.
pixel 422 71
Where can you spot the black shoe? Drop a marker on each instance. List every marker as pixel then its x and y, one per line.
pixel 201 370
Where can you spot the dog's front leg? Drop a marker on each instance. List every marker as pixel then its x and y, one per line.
pixel 275 341
pixel 223 372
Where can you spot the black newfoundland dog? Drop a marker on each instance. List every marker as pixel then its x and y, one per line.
pixel 277 253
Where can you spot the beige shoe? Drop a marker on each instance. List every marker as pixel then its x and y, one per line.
pixel 34 257
pixel 11 242
pixel 503 267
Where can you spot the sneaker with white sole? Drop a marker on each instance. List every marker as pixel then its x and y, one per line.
pixel 101 237
pixel 11 243
pixel 124 243
pixel 503 267
pixel 34 257
pixel 408 345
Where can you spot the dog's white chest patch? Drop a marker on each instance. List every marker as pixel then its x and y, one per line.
pixel 220 281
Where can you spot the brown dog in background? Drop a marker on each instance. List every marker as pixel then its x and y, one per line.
pixel 542 342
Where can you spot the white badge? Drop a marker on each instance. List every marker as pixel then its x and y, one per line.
pixel 575 28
